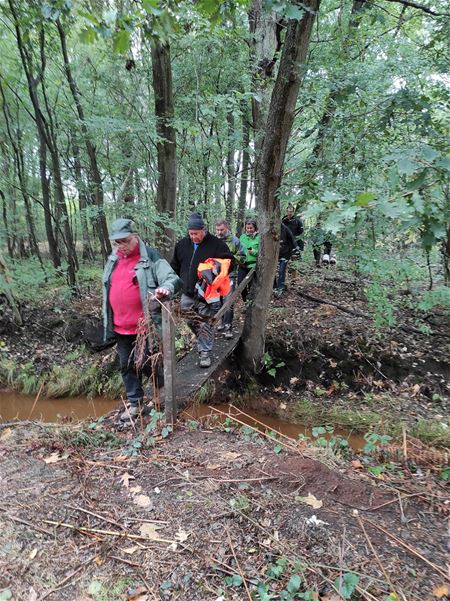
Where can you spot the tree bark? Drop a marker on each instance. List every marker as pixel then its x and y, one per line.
pixel 245 171
pixel 231 170
pixel 166 146
pixel 269 173
pixel 96 186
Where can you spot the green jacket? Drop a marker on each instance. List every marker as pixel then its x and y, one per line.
pixel 250 242
pixel 152 271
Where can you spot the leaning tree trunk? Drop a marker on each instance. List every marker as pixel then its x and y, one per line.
pixel 166 147
pixel 269 173
pixel 231 170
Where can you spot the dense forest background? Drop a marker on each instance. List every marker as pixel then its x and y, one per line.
pixel 152 109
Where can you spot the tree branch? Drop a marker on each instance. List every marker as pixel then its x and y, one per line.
pixel 421 7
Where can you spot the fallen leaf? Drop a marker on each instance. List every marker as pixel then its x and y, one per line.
pixel 294 380
pixel 131 550
pixel 6 433
pixel 55 457
pixel 181 535
pixel 142 501
pixel 150 531
pixel 310 500
pixel 441 591
pixel 125 479
pixel 231 455
pixel 135 489
pixel 138 594
pixel 356 463
pixel 213 466
pixel 33 553
pixel 32 595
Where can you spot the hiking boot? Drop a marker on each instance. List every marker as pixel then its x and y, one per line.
pixel 326 259
pixel 131 412
pixel 205 359
pixel 220 327
pixel 333 259
pixel 278 293
pixel 228 332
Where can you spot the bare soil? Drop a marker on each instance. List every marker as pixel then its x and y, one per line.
pixel 206 515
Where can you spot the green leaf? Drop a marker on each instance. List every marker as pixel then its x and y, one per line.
pixel 234 580
pixel 293 12
pixel 407 166
pixel 5 595
pixel 294 583
pixel 277 448
pixel 363 199
pixel 428 153
pixel 95 587
pixel 121 42
pixel 88 35
pixel 418 181
pixel 346 584
pixel 152 7
pixel 166 431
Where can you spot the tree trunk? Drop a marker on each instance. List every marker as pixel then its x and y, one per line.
pixel 166 146
pixel 245 172
pixel 95 180
pixel 269 172
pixel 231 170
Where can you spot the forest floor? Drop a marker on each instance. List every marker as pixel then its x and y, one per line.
pixel 91 514
pixel 227 513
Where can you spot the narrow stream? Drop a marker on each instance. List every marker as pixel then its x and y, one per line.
pixel 15 406
pixel 20 406
pixel 266 423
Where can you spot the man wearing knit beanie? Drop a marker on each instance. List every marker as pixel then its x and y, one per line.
pixel 198 246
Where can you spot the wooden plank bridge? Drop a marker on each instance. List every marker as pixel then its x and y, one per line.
pixel 184 378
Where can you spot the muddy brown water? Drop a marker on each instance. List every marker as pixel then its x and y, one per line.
pixel 14 406
pixel 20 406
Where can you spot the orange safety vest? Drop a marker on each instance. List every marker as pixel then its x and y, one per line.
pixel 214 281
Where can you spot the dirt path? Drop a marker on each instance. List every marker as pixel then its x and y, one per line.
pixel 206 515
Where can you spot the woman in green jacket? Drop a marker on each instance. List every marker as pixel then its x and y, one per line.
pixel 250 244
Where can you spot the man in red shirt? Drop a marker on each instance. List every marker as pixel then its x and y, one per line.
pixel 133 272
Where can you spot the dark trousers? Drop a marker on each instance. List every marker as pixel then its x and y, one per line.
pixel 131 375
pixel 280 278
pixel 227 318
pixel 242 272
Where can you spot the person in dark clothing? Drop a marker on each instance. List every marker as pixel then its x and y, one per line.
pixel 295 225
pixel 288 245
pixel 198 246
pixel 319 237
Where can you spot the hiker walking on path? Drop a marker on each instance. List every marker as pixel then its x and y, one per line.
pixel 320 237
pixel 295 225
pixel 250 243
pixel 288 246
pixel 196 248
pixel 133 274
pixel 234 244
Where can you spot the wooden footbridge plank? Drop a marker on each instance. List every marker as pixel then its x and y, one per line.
pixel 185 378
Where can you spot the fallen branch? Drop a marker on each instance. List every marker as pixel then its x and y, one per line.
pixel 238 565
pixel 369 542
pixel 413 551
pixel 86 530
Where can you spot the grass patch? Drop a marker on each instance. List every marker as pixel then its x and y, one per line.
pixel 427 431
pixel 431 433
pixel 62 381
